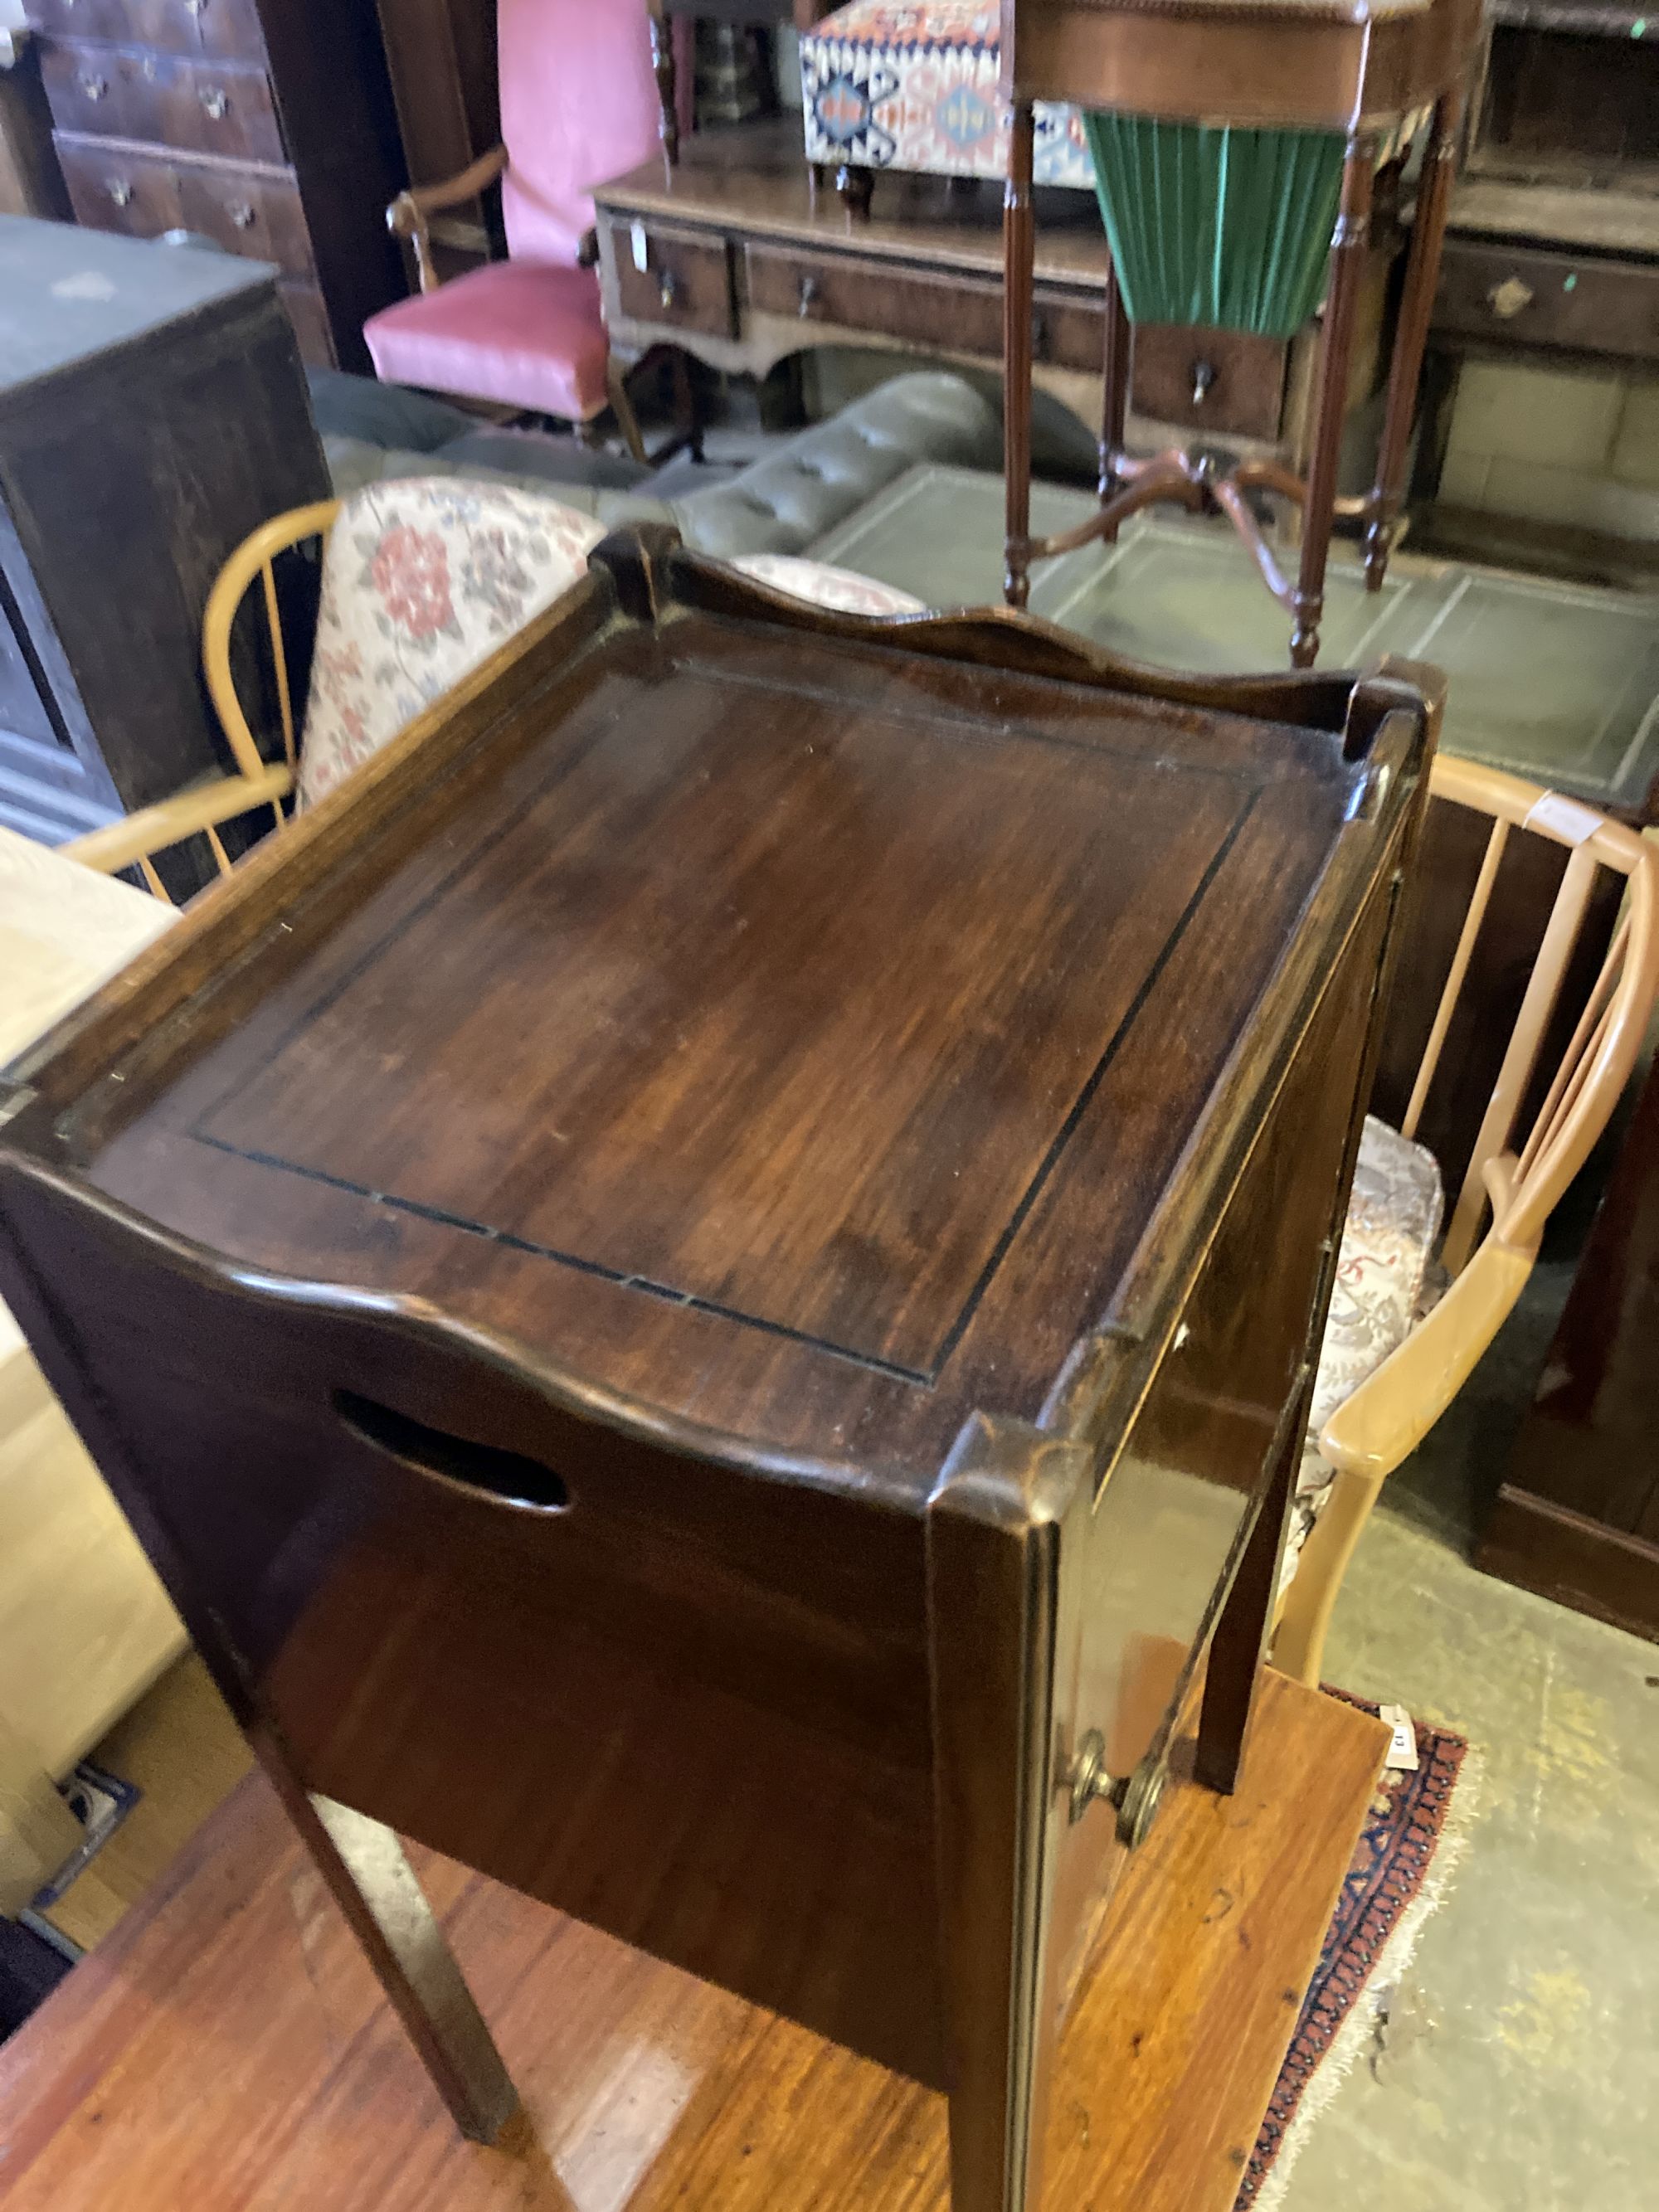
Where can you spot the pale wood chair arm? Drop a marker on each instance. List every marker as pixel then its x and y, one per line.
pixel 406 217
pixel 1393 1409
pixel 153 829
pixel 1380 1425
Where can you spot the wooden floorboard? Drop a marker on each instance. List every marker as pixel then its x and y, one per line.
pixel 227 2047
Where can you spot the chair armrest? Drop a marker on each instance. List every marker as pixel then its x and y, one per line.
pixel 1393 1410
pixel 406 217
pixel 153 829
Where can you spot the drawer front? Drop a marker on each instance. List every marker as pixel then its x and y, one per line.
pixel 196 106
pixel 1516 296
pixel 309 316
pixel 1068 332
pixel 948 313
pixel 116 186
pixel 686 282
pixel 250 211
pixel 1222 380
pixel 226 28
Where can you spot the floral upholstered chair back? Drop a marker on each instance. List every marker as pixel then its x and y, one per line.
pixel 423 579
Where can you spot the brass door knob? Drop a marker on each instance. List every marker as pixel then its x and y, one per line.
pixel 1135 1797
pixel 1507 299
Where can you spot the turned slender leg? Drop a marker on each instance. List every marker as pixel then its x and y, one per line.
pixel 374 1885
pixel 855 188
pixel 1018 249
pixel 1348 243
pixel 1240 1643
pixel 662 62
pixel 1115 390
pixel 1416 308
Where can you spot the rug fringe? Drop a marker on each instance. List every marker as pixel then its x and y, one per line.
pixel 1357 2031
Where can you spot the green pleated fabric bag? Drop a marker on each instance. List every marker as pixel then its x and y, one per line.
pixel 1229 228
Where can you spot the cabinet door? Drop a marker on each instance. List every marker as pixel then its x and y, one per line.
pixel 1177 1500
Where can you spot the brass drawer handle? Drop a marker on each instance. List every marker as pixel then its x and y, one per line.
pixel 120 192
pixel 668 288
pixel 806 294
pixel 94 88
pixel 241 214
pixel 1507 299
pixel 215 102
pixel 1203 381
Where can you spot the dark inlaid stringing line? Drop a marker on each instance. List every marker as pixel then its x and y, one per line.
pixel 1034 1189
pixel 513 1243
pixel 925 1377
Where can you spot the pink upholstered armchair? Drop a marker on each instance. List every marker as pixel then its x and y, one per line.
pixel 578 107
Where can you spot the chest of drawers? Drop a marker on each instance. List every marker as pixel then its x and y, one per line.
pixel 268 128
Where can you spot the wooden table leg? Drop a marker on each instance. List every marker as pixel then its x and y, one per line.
pixel 1416 308
pixel 371 1880
pixel 855 188
pixel 1004 1549
pixel 38 1831
pixel 1018 248
pixel 1115 389
pixel 1239 1646
pixel 1348 243
pixel 662 62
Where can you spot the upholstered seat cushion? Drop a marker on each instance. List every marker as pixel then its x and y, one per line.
pixel 424 578
pixel 825 586
pixel 1393 1221
pixel 528 333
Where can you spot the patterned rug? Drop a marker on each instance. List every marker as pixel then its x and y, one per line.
pixel 1406 1855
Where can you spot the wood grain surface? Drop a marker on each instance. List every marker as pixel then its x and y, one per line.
pixel 227 2045
pixel 745 1212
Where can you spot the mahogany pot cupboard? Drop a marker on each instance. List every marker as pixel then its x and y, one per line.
pixel 703 1287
